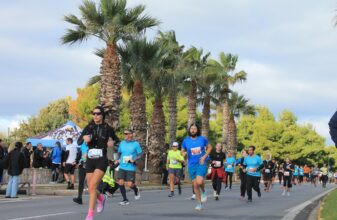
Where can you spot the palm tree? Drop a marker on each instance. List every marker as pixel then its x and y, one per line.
pixel 210 89
pixel 226 67
pixel 174 54
pixel 110 21
pixel 238 106
pixel 195 63
pixel 138 58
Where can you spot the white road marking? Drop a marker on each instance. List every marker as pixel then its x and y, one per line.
pixel 292 212
pixel 41 216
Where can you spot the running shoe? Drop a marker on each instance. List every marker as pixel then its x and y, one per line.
pixel 198 207
pixel 203 197
pixel 283 193
pixel 78 200
pixel 171 195
pixel 124 203
pixel 214 194
pixel 193 197
pixel 101 204
pixel 89 218
pixel 217 198
pixel 249 201
pixel 137 196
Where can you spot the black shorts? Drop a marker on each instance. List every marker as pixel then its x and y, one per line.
pixel 69 168
pixel 306 175
pixel 126 175
pixel 55 167
pixel 98 163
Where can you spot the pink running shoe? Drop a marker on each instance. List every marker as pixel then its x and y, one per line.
pixel 101 204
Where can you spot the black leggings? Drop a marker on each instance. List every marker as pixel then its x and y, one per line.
pixel 217 182
pixel 243 186
pixel 252 183
pixel 280 176
pixel 230 177
pixel 81 180
pixel 287 181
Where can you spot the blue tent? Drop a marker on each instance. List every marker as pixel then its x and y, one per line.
pixel 68 130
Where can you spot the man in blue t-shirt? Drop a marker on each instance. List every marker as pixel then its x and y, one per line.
pixel 197 149
pixel 253 164
pixel 129 152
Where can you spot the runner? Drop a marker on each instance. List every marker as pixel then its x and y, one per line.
pixel 315 172
pixel 129 152
pixel 174 167
pixel 325 177
pixel 295 175
pixel 108 186
pixel 197 149
pixel 229 168
pixel 280 172
pixel 253 164
pixel 307 171
pixel 301 175
pixel 288 168
pixel 267 172
pixel 273 173
pixel 98 135
pixel 81 173
pixel 242 173
pixel 217 157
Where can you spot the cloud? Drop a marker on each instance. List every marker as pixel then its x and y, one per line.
pixel 11 122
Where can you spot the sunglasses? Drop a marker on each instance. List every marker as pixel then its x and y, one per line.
pixel 97 113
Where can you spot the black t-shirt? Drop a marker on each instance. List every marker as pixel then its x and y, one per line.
pixel 218 158
pixel 269 167
pixel 288 168
pixel 100 136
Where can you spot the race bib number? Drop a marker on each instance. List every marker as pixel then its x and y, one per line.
pixel 217 164
pixel 196 151
pixel 95 153
pixel 126 159
pixel 286 173
pixel 267 171
pixel 229 167
pixel 174 162
pixel 251 169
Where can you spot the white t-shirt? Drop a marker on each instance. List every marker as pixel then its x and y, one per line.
pixel 72 153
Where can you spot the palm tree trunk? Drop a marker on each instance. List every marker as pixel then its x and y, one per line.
pixel 232 140
pixel 157 142
pixel 192 104
pixel 139 123
pixel 225 127
pixel 206 115
pixel 110 93
pixel 172 108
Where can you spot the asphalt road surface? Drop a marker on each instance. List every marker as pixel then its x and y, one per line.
pixel 156 205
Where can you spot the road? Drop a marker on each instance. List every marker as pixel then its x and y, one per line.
pixel 156 205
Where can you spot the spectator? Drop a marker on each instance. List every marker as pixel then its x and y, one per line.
pixel 56 161
pixel 2 156
pixel 38 156
pixel 71 154
pixel 15 163
pixel 47 159
pixel 63 160
pixel 27 152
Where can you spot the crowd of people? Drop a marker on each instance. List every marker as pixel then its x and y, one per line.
pixel 195 154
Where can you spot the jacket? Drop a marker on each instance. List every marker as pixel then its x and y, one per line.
pixel 15 162
pixel 56 155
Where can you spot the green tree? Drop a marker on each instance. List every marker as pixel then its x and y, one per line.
pixel 109 21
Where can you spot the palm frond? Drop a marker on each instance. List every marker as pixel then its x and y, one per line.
pixel 93 80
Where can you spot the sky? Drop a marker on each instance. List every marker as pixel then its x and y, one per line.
pixel 288 48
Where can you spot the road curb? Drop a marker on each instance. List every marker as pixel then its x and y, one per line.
pixel 292 213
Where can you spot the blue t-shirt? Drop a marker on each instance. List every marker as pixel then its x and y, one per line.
pixel 253 162
pixel 296 171
pixel 195 148
pixel 84 150
pixel 128 150
pixel 301 171
pixel 230 164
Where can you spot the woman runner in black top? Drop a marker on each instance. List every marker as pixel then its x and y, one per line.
pixel 288 169
pixel 217 175
pixel 242 173
pixel 99 136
